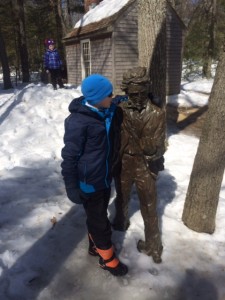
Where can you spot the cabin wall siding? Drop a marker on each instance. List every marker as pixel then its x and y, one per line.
pixel 101 57
pixel 73 60
pixel 175 37
pixel 126 44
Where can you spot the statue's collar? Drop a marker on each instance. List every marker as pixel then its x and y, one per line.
pixel 131 105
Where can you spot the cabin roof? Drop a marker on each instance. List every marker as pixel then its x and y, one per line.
pixel 104 25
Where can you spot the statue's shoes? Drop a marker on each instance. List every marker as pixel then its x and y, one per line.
pixel 150 251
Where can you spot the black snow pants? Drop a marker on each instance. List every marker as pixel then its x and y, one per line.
pixel 98 225
pixel 56 78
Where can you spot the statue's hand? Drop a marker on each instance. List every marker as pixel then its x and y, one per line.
pixel 156 165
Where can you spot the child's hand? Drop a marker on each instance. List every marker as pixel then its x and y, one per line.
pixel 74 195
pixel 120 98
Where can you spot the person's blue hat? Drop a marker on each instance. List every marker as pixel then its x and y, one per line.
pixel 95 88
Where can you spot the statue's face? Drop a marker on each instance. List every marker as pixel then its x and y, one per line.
pixel 138 95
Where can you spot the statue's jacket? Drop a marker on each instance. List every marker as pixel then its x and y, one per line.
pixel 143 132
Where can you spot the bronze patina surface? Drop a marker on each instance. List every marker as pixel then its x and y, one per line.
pixel 143 136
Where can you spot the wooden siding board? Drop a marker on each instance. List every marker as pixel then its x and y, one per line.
pixel 101 57
pixel 126 44
pixel 73 64
pixel 174 53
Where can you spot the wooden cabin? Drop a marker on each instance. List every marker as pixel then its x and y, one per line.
pixel 109 46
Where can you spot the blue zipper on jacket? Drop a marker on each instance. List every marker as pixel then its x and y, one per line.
pixel 107 125
pixel 107 115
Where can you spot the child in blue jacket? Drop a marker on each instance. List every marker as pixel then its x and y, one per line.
pixel 53 64
pixel 91 146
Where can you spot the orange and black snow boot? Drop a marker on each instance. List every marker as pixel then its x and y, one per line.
pixel 92 250
pixel 108 261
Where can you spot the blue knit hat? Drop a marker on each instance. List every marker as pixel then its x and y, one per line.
pixel 95 88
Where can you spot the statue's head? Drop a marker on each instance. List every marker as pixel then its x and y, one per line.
pixel 135 84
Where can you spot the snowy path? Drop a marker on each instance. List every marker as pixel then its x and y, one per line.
pixel 46 261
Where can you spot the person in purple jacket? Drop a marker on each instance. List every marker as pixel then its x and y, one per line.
pixel 53 64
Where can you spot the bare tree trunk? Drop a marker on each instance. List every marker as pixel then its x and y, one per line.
pixel 65 17
pixel 172 2
pixel 5 65
pixel 152 44
pixel 62 20
pixel 59 29
pixel 186 11
pixel 190 10
pixel 18 9
pixel 207 173
pixel 210 8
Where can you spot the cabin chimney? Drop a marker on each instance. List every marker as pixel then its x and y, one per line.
pixel 89 4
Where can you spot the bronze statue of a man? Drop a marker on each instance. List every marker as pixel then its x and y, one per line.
pixel 143 135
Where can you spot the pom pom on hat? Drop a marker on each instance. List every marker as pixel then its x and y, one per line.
pixel 95 88
pixel 49 42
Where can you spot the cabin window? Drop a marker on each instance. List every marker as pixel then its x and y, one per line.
pixel 85 58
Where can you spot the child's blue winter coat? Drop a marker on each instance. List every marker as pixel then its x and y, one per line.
pixel 91 146
pixel 52 60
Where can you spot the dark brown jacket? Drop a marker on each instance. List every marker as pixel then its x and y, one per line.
pixel 143 133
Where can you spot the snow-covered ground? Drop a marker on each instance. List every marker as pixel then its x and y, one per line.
pixel 43 240
pixel 193 94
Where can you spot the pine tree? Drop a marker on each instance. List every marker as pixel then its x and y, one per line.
pixel 206 23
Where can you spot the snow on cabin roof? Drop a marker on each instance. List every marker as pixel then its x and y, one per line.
pixel 100 18
pixel 103 10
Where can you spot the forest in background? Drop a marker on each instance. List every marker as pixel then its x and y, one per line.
pixel 25 24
